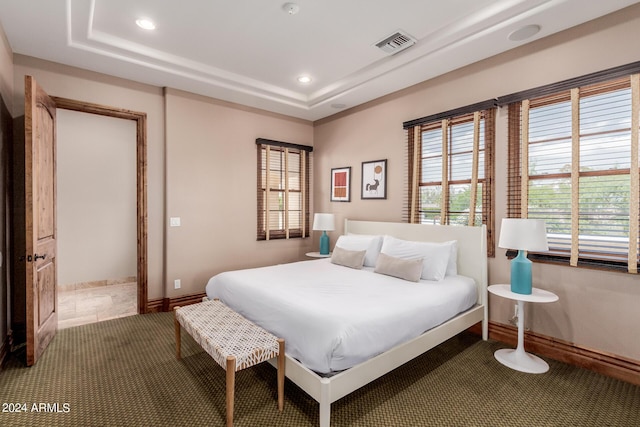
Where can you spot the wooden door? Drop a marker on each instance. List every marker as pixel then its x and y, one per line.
pixel 40 220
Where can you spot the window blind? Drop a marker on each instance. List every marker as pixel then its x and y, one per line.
pixel 574 163
pixel 283 190
pixel 450 170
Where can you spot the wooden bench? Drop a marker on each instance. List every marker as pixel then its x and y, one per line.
pixel 232 341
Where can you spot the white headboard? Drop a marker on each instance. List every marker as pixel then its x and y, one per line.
pixel 472 243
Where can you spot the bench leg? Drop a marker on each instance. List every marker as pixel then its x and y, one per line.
pixel 281 360
pixel 177 326
pixel 231 384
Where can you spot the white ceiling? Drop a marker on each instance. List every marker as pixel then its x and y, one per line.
pixel 251 51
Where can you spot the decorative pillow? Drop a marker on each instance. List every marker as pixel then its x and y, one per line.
pixel 406 269
pixel 435 255
pixel 452 266
pixel 360 242
pixel 351 259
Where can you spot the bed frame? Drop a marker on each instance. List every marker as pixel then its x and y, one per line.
pixel 472 262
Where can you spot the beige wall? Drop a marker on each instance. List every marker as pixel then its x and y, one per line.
pixel 69 82
pixel 96 197
pixel 211 186
pixel 598 310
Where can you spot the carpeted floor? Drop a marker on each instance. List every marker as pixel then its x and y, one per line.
pixel 123 372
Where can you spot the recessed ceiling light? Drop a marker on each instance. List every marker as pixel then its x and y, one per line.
pixel 524 33
pixel 304 79
pixel 145 24
pixel 291 8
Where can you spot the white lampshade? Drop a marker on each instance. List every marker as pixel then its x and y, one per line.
pixel 324 222
pixel 523 234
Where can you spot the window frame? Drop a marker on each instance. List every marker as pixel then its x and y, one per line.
pixel 458 117
pixel 264 232
pixel 517 202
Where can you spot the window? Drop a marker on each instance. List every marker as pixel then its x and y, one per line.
pixel 283 189
pixel 574 163
pixel 450 163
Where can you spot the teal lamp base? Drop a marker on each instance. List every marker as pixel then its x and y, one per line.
pixel 324 244
pixel 521 274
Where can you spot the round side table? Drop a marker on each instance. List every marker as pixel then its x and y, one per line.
pixel 517 358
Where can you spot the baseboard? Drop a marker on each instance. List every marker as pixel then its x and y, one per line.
pixel 159 305
pixel 155 305
pixel 476 329
pixel 604 363
pixel 183 300
pixel 4 352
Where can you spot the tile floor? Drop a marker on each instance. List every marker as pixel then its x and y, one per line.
pixel 80 305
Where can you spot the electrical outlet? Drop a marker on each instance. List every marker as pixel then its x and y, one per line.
pixel 514 319
pixel 176 284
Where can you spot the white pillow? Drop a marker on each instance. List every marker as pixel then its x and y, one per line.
pixel 452 266
pixel 362 242
pixel 435 255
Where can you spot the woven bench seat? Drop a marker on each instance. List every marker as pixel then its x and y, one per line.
pixel 234 342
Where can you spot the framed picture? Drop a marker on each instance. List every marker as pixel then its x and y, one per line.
pixel 341 184
pixel 374 179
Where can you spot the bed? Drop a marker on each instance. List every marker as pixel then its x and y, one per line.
pixel 345 327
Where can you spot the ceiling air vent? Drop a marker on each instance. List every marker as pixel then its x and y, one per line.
pixel 396 42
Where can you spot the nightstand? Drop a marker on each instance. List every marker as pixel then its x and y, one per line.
pixel 519 359
pixel 317 255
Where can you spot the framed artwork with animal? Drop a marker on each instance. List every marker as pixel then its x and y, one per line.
pixel 374 179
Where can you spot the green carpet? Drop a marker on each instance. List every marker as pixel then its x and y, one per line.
pixel 123 372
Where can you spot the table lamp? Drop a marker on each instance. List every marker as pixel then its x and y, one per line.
pixel 523 235
pixel 324 222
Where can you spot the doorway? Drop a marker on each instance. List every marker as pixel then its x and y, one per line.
pixel 140 122
pixel 96 218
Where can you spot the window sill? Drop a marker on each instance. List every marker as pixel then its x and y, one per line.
pixel 592 264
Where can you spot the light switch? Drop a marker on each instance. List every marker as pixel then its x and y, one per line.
pixel 174 221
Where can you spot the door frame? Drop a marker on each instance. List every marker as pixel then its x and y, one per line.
pixel 141 180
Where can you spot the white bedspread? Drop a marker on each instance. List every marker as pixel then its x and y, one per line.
pixel 334 317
